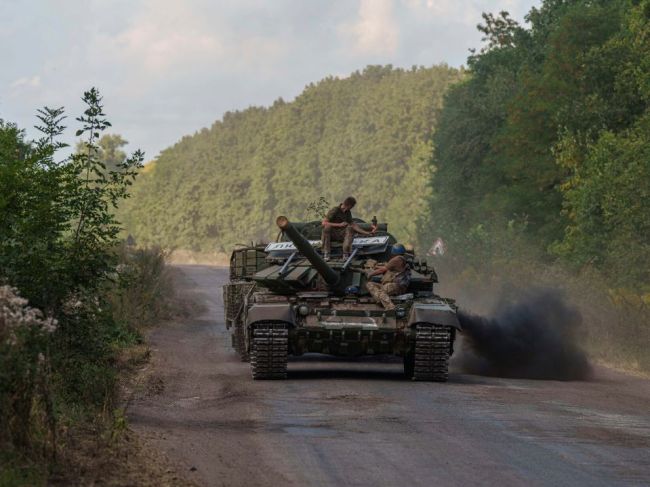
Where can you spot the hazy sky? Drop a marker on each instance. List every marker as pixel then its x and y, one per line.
pixel 167 68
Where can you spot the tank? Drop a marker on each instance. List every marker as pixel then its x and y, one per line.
pixel 284 299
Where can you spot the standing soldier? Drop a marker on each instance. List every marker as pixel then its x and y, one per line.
pixel 338 226
pixel 395 279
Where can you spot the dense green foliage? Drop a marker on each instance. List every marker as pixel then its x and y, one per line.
pixel 58 238
pixel 547 143
pixel 543 147
pixel 367 135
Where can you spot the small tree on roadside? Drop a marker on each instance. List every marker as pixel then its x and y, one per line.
pixel 58 239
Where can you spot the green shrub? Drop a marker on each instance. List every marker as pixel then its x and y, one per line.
pixel 58 236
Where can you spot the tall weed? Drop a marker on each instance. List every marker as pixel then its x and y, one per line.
pixel 143 292
pixel 27 419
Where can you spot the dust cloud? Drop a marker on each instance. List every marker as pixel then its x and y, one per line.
pixel 536 336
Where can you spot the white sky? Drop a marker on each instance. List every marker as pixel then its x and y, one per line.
pixel 167 68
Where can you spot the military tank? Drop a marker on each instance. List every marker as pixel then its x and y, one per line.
pixel 284 299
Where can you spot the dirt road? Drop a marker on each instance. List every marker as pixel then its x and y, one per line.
pixel 360 423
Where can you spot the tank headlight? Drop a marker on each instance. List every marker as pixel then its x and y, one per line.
pixel 303 310
pixel 400 312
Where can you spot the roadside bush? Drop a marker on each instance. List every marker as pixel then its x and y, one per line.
pixel 58 241
pixel 25 396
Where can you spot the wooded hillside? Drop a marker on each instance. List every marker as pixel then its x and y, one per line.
pixel 367 135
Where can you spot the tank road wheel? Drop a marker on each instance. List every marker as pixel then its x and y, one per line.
pixel 269 350
pixel 430 354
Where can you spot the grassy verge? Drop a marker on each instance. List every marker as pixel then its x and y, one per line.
pixel 616 322
pixel 105 450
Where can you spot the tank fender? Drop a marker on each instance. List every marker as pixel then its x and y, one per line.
pixel 436 313
pixel 270 312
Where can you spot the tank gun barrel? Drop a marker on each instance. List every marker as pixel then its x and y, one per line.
pixel 302 244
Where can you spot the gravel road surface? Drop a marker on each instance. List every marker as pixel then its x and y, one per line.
pixel 359 423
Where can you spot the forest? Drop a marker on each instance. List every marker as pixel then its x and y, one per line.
pixel 541 143
pixel 547 142
pixel 367 135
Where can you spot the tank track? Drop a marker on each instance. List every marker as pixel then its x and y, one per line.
pixel 269 350
pixel 431 352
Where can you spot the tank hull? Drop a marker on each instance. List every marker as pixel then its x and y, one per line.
pixel 343 328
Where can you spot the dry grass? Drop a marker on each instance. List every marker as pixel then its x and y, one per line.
pixel 94 458
pixel 105 451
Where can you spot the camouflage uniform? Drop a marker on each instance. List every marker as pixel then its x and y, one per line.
pixel 397 270
pixel 338 234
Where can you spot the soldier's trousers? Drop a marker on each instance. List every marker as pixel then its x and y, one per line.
pixel 382 292
pixel 345 235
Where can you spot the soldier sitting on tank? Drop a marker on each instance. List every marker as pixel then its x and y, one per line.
pixel 338 226
pixel 396 276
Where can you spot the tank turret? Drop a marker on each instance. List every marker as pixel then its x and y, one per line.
pixel 331 277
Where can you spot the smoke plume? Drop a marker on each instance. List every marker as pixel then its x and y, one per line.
pixel 534 337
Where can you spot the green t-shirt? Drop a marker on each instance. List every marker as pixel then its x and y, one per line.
pixel 337 215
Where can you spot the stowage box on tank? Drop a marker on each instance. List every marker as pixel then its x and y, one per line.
pixel 284 299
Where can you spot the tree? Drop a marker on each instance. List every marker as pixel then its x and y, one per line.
pixel 547 136
pixel 109 152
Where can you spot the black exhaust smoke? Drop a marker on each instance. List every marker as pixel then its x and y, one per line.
pixel 534 337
